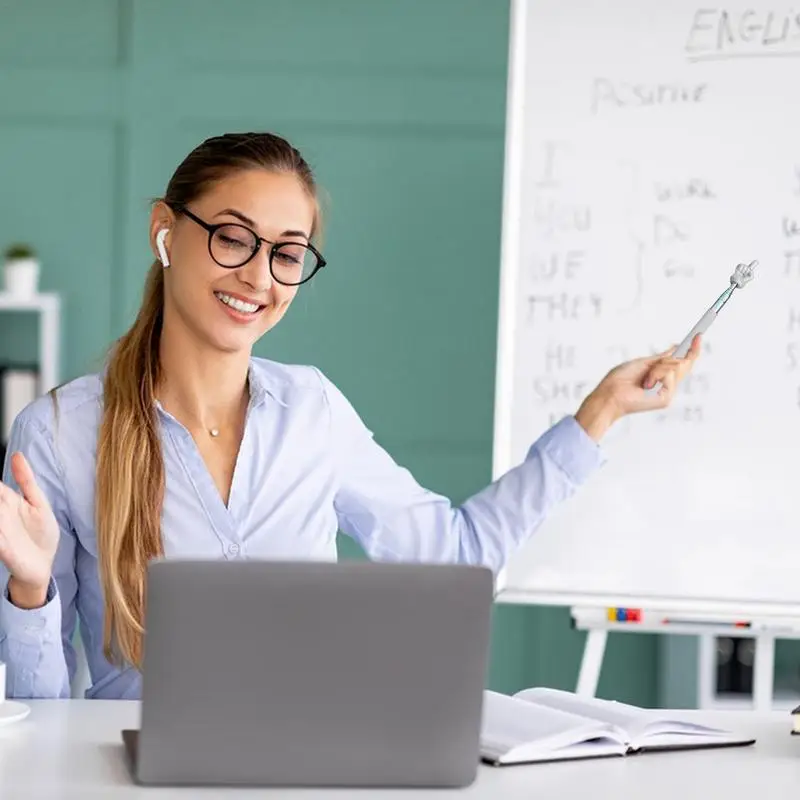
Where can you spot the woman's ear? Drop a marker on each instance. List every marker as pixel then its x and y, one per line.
pixel 161 223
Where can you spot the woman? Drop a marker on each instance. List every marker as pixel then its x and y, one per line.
pixel 186 445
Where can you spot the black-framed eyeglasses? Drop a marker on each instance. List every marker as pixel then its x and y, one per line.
pixel 232 245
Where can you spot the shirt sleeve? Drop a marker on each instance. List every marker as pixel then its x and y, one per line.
pixel 31 639
pixel 381 505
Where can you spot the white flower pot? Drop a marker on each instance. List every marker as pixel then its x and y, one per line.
pixel 22 277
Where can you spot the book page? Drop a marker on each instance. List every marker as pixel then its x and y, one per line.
pixel 671 728
pixel 509 722
pixel 630 719
pixel 638 723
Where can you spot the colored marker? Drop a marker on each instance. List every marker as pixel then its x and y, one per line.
pixel 706 623
pixel 624 614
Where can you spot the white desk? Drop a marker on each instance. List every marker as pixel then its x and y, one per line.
pixel 70 750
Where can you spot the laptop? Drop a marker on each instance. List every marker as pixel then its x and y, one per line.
pixel 276 673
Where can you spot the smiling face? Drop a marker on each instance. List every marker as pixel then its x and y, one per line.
pixel 230 309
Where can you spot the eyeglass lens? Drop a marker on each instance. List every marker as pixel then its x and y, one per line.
pixel 233 245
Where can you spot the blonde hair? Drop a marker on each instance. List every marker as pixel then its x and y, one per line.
pixel 130 475
pixel 130 466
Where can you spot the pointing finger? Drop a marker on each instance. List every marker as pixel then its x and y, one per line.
pixel 660 372
pixel 23 475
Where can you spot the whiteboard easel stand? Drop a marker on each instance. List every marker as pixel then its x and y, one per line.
pixel 48 307
pixel 764 631
pixel 594 649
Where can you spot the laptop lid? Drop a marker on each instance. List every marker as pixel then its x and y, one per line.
pixel 283 673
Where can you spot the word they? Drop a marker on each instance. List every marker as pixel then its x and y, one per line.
pixel 563 306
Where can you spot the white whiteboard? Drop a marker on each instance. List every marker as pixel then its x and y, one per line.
pixel 652 146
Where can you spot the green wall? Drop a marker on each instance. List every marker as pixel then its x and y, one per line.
pixel 399 105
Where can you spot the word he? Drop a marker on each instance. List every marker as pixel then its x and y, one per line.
pixel 567 265
pixel 563 306
pixel 633 95
pixel 714 29
pixel 694 188
pixel 559 357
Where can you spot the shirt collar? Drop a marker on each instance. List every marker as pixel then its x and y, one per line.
pixel 263 386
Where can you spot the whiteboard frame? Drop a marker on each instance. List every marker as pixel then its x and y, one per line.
pixel 509 240
pixel 602 600
pixel 505 360
pixel 511 226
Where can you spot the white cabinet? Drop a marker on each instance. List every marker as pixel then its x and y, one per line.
pixel 48 307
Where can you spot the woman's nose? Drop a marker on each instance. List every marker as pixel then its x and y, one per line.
pixel 256 273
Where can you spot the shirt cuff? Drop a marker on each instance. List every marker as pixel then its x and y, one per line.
pixel 572 449
pixel 30 625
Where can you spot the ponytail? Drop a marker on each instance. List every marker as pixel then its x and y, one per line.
pixel 130 476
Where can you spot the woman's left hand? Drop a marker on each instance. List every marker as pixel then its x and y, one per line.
pixel 624 390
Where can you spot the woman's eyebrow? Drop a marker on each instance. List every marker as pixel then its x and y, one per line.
pixel 247 221
pixel 238 214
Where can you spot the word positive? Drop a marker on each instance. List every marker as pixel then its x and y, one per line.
pixel 607 94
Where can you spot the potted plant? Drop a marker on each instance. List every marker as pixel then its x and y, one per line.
pixel 21 270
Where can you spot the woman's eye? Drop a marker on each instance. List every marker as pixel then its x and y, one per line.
pixel 229 241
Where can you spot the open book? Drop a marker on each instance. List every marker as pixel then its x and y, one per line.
pixel 552 725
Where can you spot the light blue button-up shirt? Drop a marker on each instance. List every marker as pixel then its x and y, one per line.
pixel 307 467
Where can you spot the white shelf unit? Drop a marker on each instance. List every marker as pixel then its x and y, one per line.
pixel 704 625
pixel 48 307
pixel 710 698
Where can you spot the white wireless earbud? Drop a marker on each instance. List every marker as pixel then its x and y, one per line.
pixel 162 251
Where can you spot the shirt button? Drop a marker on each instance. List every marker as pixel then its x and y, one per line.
pixel 233 549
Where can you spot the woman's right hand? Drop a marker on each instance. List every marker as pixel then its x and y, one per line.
pixel 29 536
